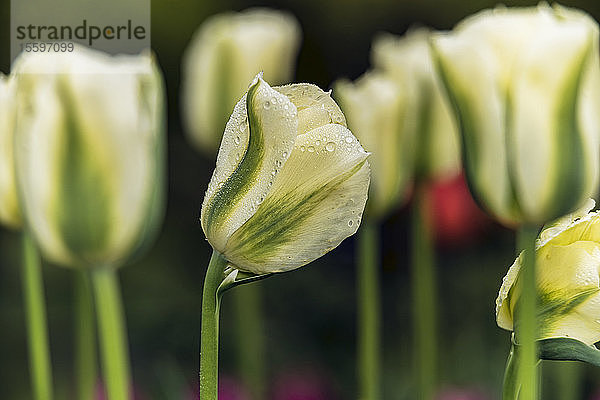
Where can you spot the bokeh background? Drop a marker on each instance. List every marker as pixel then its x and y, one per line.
pixel 310 313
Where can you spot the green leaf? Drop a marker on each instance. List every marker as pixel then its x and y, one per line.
pixel 234 277
pixel 566 349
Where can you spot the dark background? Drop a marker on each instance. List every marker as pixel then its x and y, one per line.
pixel 310 313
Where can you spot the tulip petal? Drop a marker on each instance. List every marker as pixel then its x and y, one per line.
pixel 315 107
pixel 376 113
pixel 315 203
pixel 257 141
pixel 10 213
pixel 467 70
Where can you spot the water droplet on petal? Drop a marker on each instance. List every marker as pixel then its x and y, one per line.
pixel 348 139
pixel 267 105
pixel 311 149
pixel 237 140
pixel 285 153
pixel 318 142
pixel 330 146
pixel 350 223
pixel 302 148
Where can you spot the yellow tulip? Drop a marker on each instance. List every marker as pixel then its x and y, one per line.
pixel 290 182
pixel 568 280
pixel 223 56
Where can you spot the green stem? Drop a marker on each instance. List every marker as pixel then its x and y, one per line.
pixel 511 385
pixel 527 316
pixel 85 337
pixel 250 341
pixel 209 335
pixel 112 333
pixel 568 379
pixel 424 300
pixel 369 309
pixel 37 329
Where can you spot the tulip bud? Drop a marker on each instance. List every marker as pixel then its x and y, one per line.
pixel 10 214
pixel 428 116
pixel 223 57
pixel 376 110
pixel 525 85
pixel 89 154
pixel 290 181
pixel 568 279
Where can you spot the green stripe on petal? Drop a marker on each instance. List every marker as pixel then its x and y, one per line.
pixel 83 191
pixel 316 202
pixel 478 100
pixel 544 137
pixel 255 145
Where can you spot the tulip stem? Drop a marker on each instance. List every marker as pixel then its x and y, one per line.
pixel 527 316
pixel 85 337
pixel 249 319
pixel 112 333
pixel 37 329
pixel 424 299
pixel 568 379
pixel 369 309
pixel 209 335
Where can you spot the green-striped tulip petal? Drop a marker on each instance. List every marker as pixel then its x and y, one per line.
pixel 428 119
pixel 376 109
pixel 290 182
pixel 10 215
pixel 89 154
pixel 223 56
pixel 568 279
pixel 525 85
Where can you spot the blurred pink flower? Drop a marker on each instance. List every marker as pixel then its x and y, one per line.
pixel 303 385
pixel 229 389
pixel 461 394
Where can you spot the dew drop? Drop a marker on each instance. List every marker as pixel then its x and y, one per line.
pixel 311 149
pixel 302 148
pixel 330 146
pixel 348 139
pixel 285 154
pixel 237 140
pixel 318 142
pixel 350 223
pixel 286 106
pixel 278 163
pixel 267 105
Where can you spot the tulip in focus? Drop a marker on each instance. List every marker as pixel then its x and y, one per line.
pixel 525 85
pixel 10 214
pixel 224 55
pixel 90 154
pixel 290 181
pixel 568 280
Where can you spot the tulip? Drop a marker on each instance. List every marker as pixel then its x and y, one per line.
pixel 376 110
pixel 89 154
pixel 401 114
pixel 428 122
pixel 90 170
pixel 525 85
pixel 526 88
pixel 290 181
pixel 568 280
pixel 10 214
pixel 223 57
pixel 290 184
